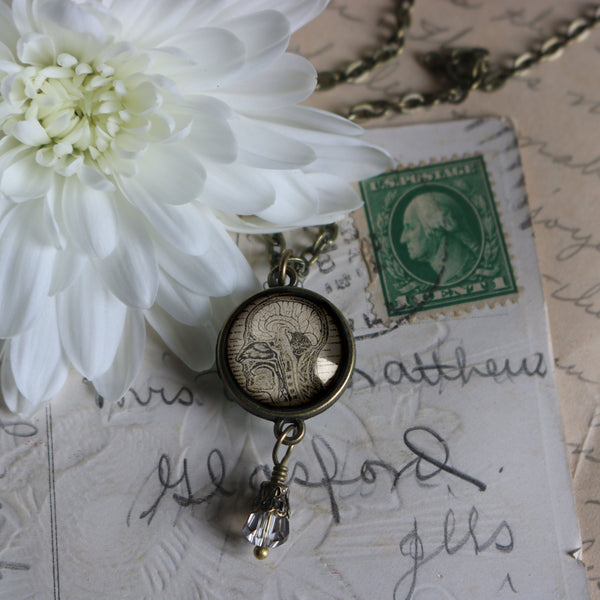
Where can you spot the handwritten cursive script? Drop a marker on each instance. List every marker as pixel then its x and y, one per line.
pixel 434 372
pixel 215 466
pixel 431 458
pixel 412 547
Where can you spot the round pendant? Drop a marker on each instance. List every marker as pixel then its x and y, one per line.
pixel 286 353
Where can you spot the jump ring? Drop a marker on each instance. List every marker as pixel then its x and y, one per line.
pixel 283 269
pixel 297 429
pixel 283 428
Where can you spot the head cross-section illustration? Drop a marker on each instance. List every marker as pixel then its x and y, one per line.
pixel 281 344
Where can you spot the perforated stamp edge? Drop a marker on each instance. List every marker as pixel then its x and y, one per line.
pixel 432 298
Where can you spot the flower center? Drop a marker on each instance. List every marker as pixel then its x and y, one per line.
pixel 76 111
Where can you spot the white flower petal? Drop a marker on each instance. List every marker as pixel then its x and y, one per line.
pixel 10 392
pixel 119 166
pixel 288 80
pixel 10 151
pixel 351 162
pixel 71 18
pixel 255 225
pixel 265 35
pixel 296 199
pixel 24 179
pixel 21 15
pixel 52 215
pixel 193 345
pixel 204 11
pixel 6 110
pixel 149 21
pixel 182 124
pixel 217 54
pixel 12 90
pixel 131 271
pixel 265 149
pixel 30 133
pixel 301 13
pixel 297 13
pixel 7 59
pixel 125 58
pixel 185 227
pixel 211 274
pixel 172 177
pixel 8 32
pixel 221 271
pixel 90 218
pixel 26 260
pixel 208 107
pixel 336 198
pixel 169 60
pixel 38 363
pixel 250 224
pixel 68 265
pixel 90 321
pixel 182 304
pixel 143 99
pixel 69 165
pixel 129 13
pixel 237 189
pixel 36 49
pixel 130 146
pixel 309 124
pixel 5 205
pixel 162 127
pixel 113 384
pixel 246 283
pixel 94 179
pixel 213 138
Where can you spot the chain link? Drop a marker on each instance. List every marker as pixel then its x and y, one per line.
pixel 391 48
pixel 461 69
pixel 283 262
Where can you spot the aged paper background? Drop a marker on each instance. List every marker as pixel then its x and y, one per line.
pixel 129 454
pixel 556 109
pixel 441 474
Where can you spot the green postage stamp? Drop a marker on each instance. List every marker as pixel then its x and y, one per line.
pixel 437 239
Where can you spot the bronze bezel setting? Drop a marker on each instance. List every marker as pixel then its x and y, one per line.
pixel 313 406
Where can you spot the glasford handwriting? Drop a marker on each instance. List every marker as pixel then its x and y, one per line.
pixel 215 466
pixel 330 469
pixel 428 447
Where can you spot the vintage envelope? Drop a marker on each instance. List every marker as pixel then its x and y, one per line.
pixel 441 474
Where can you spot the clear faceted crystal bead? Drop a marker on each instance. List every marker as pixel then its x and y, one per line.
pixel 266 529
pixel 268 525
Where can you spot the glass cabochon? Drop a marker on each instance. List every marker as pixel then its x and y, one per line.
pixel 286 349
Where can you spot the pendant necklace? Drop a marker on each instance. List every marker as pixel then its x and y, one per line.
pixel 285 354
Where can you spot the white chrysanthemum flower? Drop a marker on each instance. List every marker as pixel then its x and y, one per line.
pixel 132 134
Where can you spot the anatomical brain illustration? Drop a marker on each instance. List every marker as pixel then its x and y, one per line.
pixel 289 350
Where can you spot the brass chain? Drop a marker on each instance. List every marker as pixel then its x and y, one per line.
pixel 391 48
pixel 461 69
pixel 283 262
